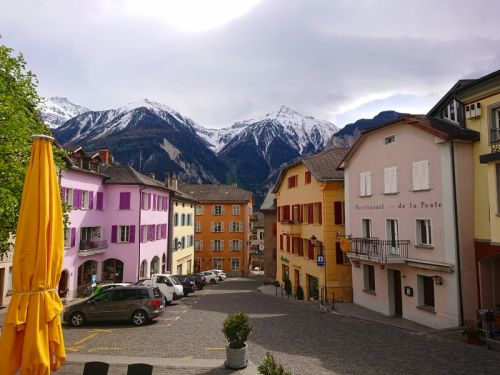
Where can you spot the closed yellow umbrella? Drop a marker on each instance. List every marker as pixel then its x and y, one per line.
pixel 32 338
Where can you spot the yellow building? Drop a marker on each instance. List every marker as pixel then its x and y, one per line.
pixel 480 99
pixel 310 214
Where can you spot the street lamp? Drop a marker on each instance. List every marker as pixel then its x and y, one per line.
pixel 321 257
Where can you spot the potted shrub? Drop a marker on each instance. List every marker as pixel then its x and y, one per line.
pixel 288 286
pixel 271 367
pixel 300 293
pixel 473 332
pixel 237 328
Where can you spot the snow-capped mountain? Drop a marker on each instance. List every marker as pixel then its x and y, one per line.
pixel 153 137
pixel 56 111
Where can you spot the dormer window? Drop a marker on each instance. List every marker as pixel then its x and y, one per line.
pixel 389 140
pixel 450 111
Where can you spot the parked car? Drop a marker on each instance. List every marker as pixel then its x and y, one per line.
pixel 139 304
pixel 188 283
pixel 220 274
pixel 199 280
pixel 210 276
pixel 101 288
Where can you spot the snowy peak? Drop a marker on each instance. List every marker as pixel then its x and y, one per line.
pixel 57 110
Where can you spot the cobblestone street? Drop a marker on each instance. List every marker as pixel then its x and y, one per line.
pixel 303 339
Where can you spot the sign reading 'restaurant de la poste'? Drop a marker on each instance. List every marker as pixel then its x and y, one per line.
pixel 401 205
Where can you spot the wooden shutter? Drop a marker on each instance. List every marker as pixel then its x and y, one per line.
pixel 310 213
pixel 124 200
pixel 337 212
pixel 310 250
pixel 73 237
pixel 100 200
pixel 131 238
pixel 339 255
pixel 91 200
pixel 288 247
pixel 320 213
pixel 278 212
pixel 281 242
pixel 114 232
pixel 301 213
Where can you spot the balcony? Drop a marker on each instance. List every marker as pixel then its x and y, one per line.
pixel 291 227
pixel 92 247
pixel 494 155
pixel 379 251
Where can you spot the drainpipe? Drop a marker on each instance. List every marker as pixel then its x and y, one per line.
pixel 457 236
pixel 140 230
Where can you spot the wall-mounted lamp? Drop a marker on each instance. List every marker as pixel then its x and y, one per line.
pixel 438 280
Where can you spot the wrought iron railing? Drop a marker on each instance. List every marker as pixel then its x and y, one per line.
pixel 93 244
pixel 380 250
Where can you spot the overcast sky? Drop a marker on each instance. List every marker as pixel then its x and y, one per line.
pixel 221 61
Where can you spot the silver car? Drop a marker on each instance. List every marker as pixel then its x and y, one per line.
pixel 138 304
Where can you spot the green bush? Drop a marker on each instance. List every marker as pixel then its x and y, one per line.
pixel 300 293
pixel 237 328
pixel 271 367
pixel 288 286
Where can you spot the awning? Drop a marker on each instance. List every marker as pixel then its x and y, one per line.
pixel 434 266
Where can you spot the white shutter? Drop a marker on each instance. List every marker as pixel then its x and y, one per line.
pixel 212 245
pixel 387 180
pixel 240 244
pixel 230 245
pixel 368 181
pixel 417 176
pixel 362 184
pixel 222 226
pixel 240 226
pixel 390 180
pixel 201 244
pixel 425 174
pixel 222 210
pixel 212 226
pixel 221 245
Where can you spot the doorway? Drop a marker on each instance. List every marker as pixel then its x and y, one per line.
pixel 396 298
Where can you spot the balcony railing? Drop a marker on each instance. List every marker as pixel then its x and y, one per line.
pixel 381 251
pixel 291 227
pixel 92 247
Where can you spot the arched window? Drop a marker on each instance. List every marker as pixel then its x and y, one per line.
pixel 144 269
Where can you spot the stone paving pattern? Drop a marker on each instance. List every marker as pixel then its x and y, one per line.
pixel 304 339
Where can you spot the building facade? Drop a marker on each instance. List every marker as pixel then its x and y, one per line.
pixel 409 220
pixel 310 218
pixel 257 243
pixel 222 227
pixel 6 277
pixel 268 209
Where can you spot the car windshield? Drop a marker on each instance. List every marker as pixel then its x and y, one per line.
pixel 175 280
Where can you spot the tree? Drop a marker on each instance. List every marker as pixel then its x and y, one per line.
pixel 18 122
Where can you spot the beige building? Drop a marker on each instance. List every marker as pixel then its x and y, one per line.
pixel 5 277
pixel 268 209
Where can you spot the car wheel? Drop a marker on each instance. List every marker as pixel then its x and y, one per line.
pixel 166 301
pixel 212 281
pixel 77 319
pixel 139 317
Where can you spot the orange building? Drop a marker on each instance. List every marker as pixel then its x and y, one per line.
pixel 222 227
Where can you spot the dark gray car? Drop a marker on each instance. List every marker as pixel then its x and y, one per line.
pixel 134 303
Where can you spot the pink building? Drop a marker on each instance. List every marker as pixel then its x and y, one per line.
pixel 409 213
pixel 118 227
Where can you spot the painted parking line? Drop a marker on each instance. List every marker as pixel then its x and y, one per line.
pixel 86 338
pixel 101 348
pixel 74 348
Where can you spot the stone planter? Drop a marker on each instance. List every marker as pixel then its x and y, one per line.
pixel 236 358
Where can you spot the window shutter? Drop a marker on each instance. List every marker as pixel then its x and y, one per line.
pixel 362 184
pixel 165 231
pixel 143 201
pixel 222 227
pixel 337 208
pixel 320 213
pixel 390 180
pixel 288 247
pixel 231 244
pixel 222 245
pixel 278 212
pixel 240 226
pixel 368 179
pixel 63 194
pixel 425 174
pixel 131 238
pixel 310 250
pixel 212 245
pixel 339 255
pixel 141 233
pixel 213 210
pixel 212 226
pixel 73 237
pixel 310 213
pixel 91 200
pixel 281 242
pixel 151 232
pixel 154 202
pixel 124 200
pixel 222 210
pixel 100 200
pixel 75 198
pixel 114 232
pixel 149 201
pixel 301 213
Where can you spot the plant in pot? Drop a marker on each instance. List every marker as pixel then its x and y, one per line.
pixel 237 328
pixel 300 293
pixel 288 286
pixel 473 332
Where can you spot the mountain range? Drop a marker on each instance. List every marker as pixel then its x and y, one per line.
pixel 154 138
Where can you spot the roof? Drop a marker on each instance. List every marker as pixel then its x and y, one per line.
pixel 323 166
pixel 269 203
pixel 126 175
pixel 485 85
pixel 446 97
pixel 216 192
pixel 258 220
pixel 181 196
pixel 436 126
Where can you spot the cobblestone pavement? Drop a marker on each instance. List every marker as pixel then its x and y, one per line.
pixel 305 340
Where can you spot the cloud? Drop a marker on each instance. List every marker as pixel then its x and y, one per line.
pixel 331 60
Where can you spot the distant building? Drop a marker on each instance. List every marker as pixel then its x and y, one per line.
pixel 409 218
pixel 310 214
pixel 6 277
pixel 222 227
pixel 268 209
pixel 257 246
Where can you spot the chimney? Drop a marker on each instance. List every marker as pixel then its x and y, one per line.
pixel 105 156
pixel 171 181
pixel 151 175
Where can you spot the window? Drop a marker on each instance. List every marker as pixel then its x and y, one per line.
pixel 369 278
pixel 179 269
pixel 68 196
pixel 146 201
pixel 183 219
pixel 85 200
pixel 339 212
pixel 123 233
pixel 176 219
pixel 198 245
pixel 420 175
pixel 365 184
pixel 261 235
pixel 9 281
pixel 450 111
pixel 390 180
pixel 217 245
pixel 495 125
pixel 307 177
pixel 393 234
pixel 218 226
pixel 235 245
pixel 236 209
pixel 197 227
pixel 199 210
pixel 217 263
pixel 318 213
pixel 389 140
pixel 424 232
pixel 69 237
pixel 189 267
pixel 425 291
pixel 366 228
pixel 498 187
pixel 144 233
pixel 158 232
pixel 217 210
pixel 190 240
pixel 235 264
pixel 292 181
pixel 189 219
pixel 236 226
